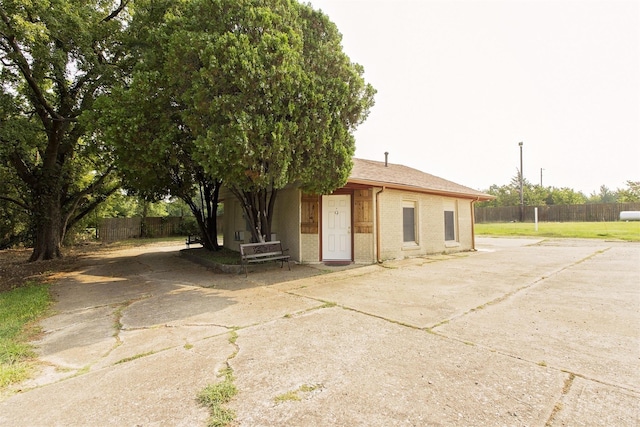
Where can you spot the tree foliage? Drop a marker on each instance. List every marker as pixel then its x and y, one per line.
pixel 254 93
pixel 143 120
pixel 533 195
pixel 56 56
pixel 272 99
pixel 631 194
pixel 536 195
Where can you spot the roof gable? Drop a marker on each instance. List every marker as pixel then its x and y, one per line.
pixel 374 173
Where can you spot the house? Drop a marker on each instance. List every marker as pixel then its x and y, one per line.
pixel 385 211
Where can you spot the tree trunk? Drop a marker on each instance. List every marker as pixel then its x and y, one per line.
pixel 269 211
pixel 206 217
pixel 211 236
pixel 49 230
pixel 258 207
pixel 143 221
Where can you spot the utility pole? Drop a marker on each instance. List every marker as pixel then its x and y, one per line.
pixel 541 176
pixel 521 186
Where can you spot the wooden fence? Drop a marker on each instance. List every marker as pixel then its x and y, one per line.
pixel 556 213
pixel 114 229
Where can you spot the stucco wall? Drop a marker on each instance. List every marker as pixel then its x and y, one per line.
pixel 285 224
pixel 286 220
pixel 233 221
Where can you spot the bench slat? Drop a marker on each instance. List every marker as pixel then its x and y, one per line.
pixel 261 252
pixel 274 255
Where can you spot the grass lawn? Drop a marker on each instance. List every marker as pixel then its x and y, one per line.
pixel 618 230
pixel 19 309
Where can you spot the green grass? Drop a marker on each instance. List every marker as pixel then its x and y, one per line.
pixel 137 356
pixel 215 396
pixel 289 396
pixel 19 308
pixel 618 230
pixel 293 396
pixel 328 304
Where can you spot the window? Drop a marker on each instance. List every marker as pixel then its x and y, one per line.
pixel 409 222
pixel 449 226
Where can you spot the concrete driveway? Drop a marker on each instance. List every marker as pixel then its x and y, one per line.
pixel 521 333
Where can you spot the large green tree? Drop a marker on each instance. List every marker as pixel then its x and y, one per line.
pixel 56 56
pixel 255 94
pixel 143 121
pixel 272 99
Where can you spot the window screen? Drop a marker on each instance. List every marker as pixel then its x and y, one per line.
pixel 408 224
pixel 449 226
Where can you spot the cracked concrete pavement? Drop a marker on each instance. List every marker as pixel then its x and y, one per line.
pixel 523 332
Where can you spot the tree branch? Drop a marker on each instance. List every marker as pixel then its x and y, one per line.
pixel 67 220
pixel 89 208
pixel 123 4
pixel 15 202
pixel 22 169
pixel 89 189
pixel 23 65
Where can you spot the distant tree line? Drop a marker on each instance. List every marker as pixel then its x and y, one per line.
pixel 537 195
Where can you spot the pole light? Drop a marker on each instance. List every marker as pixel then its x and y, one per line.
pixel 521 186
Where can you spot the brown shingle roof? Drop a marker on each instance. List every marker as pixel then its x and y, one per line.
pixel 370 172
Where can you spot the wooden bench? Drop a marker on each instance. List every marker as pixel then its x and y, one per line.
pixel 261 252
pixel 191 239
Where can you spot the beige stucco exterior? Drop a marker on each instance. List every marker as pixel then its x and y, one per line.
pixel 285 226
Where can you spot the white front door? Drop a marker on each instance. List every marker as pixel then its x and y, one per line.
pixel 336 228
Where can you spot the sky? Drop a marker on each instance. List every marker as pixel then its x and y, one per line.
pixel 461 82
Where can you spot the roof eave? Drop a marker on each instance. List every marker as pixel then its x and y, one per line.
pixel 473 196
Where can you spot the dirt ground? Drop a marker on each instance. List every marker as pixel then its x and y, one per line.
pixel 521 333
pixel 15 271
